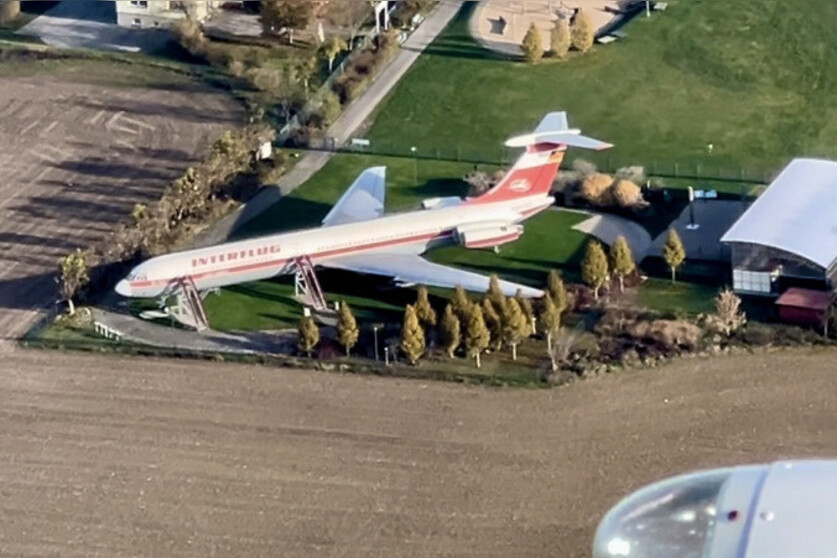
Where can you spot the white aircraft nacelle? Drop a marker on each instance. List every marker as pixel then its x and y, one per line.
pixel 786 509
pixel 439 203
pixel 488 235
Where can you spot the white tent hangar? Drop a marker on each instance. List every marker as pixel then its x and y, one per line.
pixel 788 237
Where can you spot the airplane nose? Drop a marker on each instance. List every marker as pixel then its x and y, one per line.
pixel 123 288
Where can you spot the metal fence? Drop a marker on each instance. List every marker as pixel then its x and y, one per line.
pixel 686 169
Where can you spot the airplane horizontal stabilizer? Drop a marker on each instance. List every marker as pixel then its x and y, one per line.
pixel 554 129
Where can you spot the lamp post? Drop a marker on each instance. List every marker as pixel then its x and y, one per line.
pixel 375 328
pixel 415 165
pixel 386 356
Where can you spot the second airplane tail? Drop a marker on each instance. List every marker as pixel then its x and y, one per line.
pixel 535 170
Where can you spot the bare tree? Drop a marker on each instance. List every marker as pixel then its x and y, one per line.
pixel 562 346
pixel 728 314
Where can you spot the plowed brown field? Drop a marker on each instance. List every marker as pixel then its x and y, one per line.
pixel 112 457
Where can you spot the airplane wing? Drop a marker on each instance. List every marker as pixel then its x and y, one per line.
pixel 363 201
pixel 409 269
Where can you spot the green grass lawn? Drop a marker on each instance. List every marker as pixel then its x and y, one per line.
pixel 681 297
pixel 756 79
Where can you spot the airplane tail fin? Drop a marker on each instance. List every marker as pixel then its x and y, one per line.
pixel 535 170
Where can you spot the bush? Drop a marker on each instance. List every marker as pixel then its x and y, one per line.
pixel 365 62
pixel 348 86
pixel 756 334
pixel 595 189
pixel 190 36
pixel 330 109
pixel 667 334
pixel 640 328
pixel 626 194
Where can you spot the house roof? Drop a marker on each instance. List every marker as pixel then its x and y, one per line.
pixel 806 298
pixel 797 213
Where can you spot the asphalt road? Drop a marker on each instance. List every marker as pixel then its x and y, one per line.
pixel 111 457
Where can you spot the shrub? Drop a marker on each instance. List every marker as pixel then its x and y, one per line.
pixel 348 86
pixel 365 62
pixel 581 32
pixel 532 46
pixel 330 109
pixel 667 334
pixel 595 189
pixel 626 194
pixel 757 334
pixel 190 36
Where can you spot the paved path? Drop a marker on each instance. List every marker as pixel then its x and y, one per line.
pixel 351 119
pixel 607 228
pixel 140 331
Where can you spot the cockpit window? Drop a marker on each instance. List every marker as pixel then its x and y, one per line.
pixel 136 276
pixel 673 518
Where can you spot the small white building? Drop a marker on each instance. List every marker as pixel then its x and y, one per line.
pixel 150 14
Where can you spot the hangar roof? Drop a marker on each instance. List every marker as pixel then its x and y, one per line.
pixel 797 213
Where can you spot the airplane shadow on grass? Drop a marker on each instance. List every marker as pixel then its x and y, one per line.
pixel 284 214
pixel 439 187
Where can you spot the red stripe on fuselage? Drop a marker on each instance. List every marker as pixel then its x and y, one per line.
pixel 314 257
pixel 325 254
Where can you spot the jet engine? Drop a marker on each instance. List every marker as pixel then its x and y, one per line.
pixel 439 203
pixel 487 235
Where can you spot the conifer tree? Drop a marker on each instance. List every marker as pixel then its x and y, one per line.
pixel 514 325
pixel 450 330
pixel 412 336
pixel 528 311
pixel 309 335
pixel 673 252
pixel 622 260
pixel 477 336
pixel 424 311
pixel 347 332
pixel 581 33
pixel 531 46
pixel 557 291
pixel 594 270
pixel 494 323
pixel 461 304
pixel 550 320
pixel 560 38
pixel 495 293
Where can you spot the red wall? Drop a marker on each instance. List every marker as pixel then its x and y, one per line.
pixel 800 316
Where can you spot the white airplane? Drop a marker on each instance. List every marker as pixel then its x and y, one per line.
pixel 356 236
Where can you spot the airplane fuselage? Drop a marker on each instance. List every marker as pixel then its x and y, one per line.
pixel 268 256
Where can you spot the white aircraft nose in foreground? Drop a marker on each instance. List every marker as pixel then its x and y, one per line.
pixel 356 236
pixel 786 509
